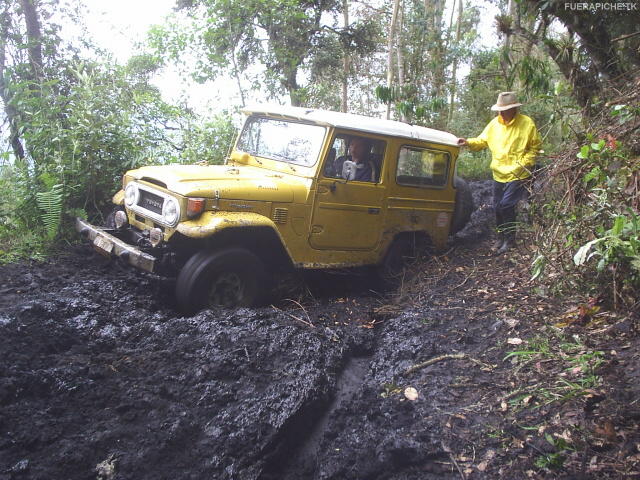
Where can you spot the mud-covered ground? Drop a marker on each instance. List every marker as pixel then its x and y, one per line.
pixel 100 378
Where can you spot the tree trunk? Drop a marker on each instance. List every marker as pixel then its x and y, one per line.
pixel 437 52
pixel 391 37
pixel 34 38
pixel 236 75
pixel 505 58
pixel 344 107
pixel 454 67
pixel 9 110
pixel 400 55
pixel 290 83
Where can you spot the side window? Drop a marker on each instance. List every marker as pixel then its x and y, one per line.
pixel 355 158
pixel 419 167
pixel 336 157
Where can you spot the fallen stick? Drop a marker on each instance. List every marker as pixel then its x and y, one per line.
pixel 291 315
pixel 448 356
pixel 453 459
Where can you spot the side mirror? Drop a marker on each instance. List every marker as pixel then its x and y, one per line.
pixel 349 170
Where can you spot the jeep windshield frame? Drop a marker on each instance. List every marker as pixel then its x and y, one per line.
pixel 282 140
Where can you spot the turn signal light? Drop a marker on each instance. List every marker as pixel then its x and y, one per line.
pixel 195 206
pixel 121 219
pixel 155 237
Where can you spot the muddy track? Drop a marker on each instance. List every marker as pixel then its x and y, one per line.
pixel 101 378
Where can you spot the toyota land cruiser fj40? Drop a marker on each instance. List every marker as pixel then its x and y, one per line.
pixel 289 195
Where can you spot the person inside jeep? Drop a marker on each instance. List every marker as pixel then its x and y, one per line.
pixel 358 165
pixel 362 165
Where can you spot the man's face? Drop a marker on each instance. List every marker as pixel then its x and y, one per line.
pixel 507 115
pixel 358 149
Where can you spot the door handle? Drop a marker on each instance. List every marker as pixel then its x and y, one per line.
pixel 374 211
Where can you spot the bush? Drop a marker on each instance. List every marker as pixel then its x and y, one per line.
pixel 588 226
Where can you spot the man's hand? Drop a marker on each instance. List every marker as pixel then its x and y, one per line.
pixel 462 142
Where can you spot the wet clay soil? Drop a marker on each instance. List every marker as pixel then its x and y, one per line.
pixel 100 378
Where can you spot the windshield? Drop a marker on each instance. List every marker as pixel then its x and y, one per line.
pixel 283 140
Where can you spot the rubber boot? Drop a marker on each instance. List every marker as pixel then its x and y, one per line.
pixel 495 246
pixel 508 243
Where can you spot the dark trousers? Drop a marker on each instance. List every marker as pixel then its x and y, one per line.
pixel 505 197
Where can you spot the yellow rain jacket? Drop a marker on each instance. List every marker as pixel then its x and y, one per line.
pixel 513 146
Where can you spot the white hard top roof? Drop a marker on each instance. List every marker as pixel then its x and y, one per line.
pixel 354 122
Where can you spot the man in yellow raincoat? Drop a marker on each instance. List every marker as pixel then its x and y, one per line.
pixel 514 143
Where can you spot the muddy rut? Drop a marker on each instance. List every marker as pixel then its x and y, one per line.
pixel 100 378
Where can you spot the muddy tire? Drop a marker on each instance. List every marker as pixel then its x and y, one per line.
pixel 232 277
pixel 391 271
pixel 110 220
pixel 464 205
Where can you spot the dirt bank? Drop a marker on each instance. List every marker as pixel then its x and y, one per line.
pixel 101 379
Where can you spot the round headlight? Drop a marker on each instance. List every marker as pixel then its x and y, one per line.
pixel 131 194
pixel 170 211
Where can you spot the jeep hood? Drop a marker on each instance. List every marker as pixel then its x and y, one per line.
pixel 237 182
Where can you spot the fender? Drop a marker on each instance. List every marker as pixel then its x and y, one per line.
pixel 213 222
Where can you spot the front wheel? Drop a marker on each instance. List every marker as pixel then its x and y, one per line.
pixel 232 277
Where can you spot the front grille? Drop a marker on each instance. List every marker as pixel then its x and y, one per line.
pixel 280 215
pixel 150 205
pixel 151 201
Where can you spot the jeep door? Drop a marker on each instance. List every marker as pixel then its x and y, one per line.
pixel 421 197
pixel 348 212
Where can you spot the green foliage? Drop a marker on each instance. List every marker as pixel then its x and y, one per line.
pixel 625 113
pixel 591 232
pixel 19 236
pixel 209 141
pixel 534 75
pixel 408 103
pixel 554 460
pixel 75 127
pixel 50 204
pixel 282 37
pixel 474 165
pixel 537 347
pixel 109 120
pixel 103 122
pixel 619 246
pixel 571 371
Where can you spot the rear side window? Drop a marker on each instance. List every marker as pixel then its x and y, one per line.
pixel 420 167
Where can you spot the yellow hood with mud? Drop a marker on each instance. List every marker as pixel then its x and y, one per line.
pixel 230 182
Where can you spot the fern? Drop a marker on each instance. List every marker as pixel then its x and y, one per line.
pixel 50 204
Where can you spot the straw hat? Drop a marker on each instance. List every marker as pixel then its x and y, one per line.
pixel 506 100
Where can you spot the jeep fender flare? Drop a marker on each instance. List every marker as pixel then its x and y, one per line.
pixel 232 228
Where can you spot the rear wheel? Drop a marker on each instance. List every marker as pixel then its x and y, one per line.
pixel 232 277
pixel 464 205
pixel 390 272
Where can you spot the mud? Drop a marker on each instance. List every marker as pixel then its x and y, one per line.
pixel 100 378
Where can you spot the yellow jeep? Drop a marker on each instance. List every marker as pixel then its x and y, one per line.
pixel 292 193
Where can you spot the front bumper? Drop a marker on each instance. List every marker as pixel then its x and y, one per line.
pixel 111 246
